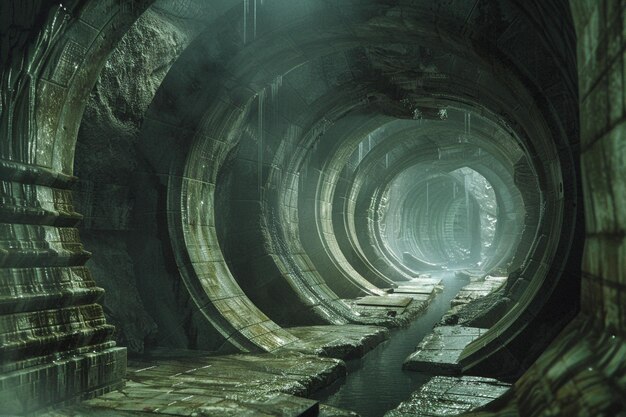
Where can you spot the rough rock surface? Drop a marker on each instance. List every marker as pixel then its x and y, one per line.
pixel 105 151
pixel 107 163
pixel 113 269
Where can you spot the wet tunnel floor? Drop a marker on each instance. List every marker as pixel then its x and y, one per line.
pixel 181 383
pixel 377 383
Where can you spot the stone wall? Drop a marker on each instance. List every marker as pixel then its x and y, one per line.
pixel 55 344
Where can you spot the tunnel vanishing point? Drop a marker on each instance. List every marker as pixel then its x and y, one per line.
pixel 209 207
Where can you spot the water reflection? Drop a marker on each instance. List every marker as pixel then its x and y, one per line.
pixel 376 383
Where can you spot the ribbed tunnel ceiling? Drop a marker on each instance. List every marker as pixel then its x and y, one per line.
pixel 276 137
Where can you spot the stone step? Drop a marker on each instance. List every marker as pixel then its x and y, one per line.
pixel 446 396
pixel 440 351
pixel 348 341
pixel 398 314
pixel 230 385
pixel 384 301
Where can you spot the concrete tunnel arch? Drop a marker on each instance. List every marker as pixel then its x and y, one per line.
pixel 499 175
pixel 242 102
pixel 217 78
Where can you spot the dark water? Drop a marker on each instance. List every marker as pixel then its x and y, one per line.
pixel 376 383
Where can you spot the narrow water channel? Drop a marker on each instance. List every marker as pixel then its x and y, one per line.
pixel 376 383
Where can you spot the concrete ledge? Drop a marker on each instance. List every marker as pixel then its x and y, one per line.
pixel 62 381
pixel 390 314
pixel 446 396
pixel 347 341
pixel 230 385
pixel 439 352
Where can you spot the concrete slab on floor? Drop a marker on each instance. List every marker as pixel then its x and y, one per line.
pixel 476 289
pixel 397 316
pixel 418 286
pixel 265 405
pixel 230 385
pixel 384 301
pixel 439 352
pixel 347 341
pixel 470 273
pixel 446 396
pixel 388 316
pixel 419 297
pixel 329 411
pixel 423 281
pixel 414 289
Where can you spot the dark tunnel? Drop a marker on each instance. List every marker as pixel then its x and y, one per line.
pixel 313 208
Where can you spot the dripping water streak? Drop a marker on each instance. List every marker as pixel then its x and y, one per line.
pixel 466 180
pixel 427 197
pixel 260 142
pixel 245 21
pixel 274 89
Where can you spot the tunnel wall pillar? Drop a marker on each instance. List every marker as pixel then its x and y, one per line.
pixel 55 344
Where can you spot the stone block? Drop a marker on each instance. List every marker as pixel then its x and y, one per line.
pixel 76 378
